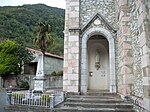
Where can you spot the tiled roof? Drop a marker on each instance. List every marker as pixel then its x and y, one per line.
pixel 46 53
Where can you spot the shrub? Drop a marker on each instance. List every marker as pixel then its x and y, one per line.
pixel 45 98
pixel 60 73
pixel 53 73
pixel 24 84
pixel 17 95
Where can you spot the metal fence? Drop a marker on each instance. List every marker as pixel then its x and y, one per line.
pixel 35 99
pixel 58 97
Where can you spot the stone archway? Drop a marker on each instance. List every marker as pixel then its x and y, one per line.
pixel 98 63
pixel 84 64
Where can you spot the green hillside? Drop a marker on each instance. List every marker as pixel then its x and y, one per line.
pixel 22 21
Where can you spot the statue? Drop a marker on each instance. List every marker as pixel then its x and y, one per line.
pixel 97 59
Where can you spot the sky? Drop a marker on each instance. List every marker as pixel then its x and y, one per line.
pixel 53 3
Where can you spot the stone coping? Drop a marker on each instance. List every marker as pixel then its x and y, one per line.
pixel 138 101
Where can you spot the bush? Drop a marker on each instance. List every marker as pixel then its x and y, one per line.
pixel 53 73
pixel 24 85
pixel 60 73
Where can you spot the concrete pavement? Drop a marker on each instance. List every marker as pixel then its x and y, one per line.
pixel 3 101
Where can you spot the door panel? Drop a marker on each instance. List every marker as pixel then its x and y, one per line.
pixel 98 78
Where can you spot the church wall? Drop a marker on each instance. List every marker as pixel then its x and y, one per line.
pixel 131 19
pixel 143 8
pixel 88 10
pixel 90 7
pixel 134 23
pixel 71 47
pixel 125 59
pixel 137 87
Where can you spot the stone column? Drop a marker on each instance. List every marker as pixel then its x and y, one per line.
pixel 143 7
pixel 71 47
pixel 125 61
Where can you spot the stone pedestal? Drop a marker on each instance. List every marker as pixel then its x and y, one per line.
pixel 39 79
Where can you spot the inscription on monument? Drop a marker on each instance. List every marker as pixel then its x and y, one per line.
pixel 38 85
pixel 102 73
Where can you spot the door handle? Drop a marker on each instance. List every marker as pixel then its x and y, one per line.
pixel 90 74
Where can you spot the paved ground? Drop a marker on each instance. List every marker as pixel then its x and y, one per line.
pixel 3 101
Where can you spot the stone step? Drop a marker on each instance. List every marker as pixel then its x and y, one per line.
pixel 80 109
pixel 101 94
pixel 69 94
pixel 94 97
pixel 99 105
pixel 94 100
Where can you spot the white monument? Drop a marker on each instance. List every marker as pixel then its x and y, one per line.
pixel 39 79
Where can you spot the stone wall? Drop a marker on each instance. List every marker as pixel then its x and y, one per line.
pixel 143 8
pixel 140 109
pixel 94 15
pixel 17 108
pixel 53 82
pixel 88 8
pixel 134 50
pixel 137 88
pixel 131 18
pixel 125 59
pixel 53 64
pixel 78 14
pixel 71 47
pixel 50 82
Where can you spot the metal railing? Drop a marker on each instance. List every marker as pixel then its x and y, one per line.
pixel 59 97
pixel 32 99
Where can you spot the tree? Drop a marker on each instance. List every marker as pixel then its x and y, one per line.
pixel 57 47
pixel 13 55
pixel 8 59
pixel 44 37
pixel 21 21
pixel 23 55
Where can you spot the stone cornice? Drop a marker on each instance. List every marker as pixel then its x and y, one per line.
pixel 74 30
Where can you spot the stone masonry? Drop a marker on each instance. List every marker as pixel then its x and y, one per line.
pixel 125 72
pixel 126 26
pixel 71 47
pixel 134 23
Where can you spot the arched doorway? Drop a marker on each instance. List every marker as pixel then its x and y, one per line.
pixel 84 78
pixel 98 63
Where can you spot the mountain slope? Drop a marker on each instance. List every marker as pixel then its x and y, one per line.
pixel 21 21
